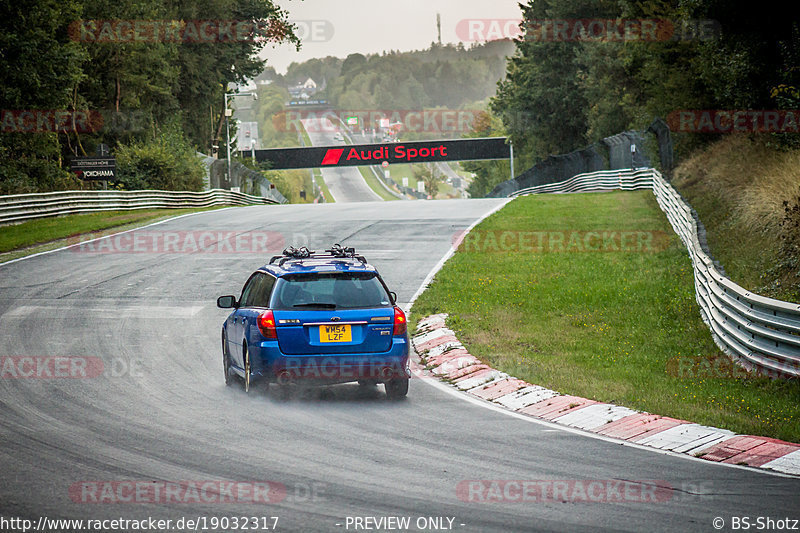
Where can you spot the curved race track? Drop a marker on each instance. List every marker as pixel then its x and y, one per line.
pixel 339 452
pixel 344 183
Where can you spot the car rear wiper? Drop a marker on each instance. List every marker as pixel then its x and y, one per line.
pixel 323 305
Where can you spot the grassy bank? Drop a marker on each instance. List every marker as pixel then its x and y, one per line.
pixel 326 193
pixel 376 187
pixel 318 173
pixel 17 240
pixel 290 182
pixel 738 186
pixel 593 295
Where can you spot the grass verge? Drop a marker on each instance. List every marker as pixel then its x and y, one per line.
pixel 290 182
pixel 737 186
pixel 35 236
pixel 372 181
pixel 544 291
pixel 318 173
pixel 326 193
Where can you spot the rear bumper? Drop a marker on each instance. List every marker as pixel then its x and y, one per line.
pixel 271 364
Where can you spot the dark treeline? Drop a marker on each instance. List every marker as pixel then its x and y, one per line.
pixel 561 94
pixel 442 75
pixel 77 73
pixel 445 77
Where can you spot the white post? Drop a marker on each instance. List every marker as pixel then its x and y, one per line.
pixel 511 148
pixel 227 137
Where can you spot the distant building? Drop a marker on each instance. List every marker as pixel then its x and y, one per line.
pixel 304 90
pixel 250 86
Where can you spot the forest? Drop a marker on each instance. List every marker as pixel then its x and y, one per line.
pixel 76 74
pixel 145 78
pixel 569 85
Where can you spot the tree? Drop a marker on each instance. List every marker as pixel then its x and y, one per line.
pixel 39 66
pixel 51 60
pixel 426 173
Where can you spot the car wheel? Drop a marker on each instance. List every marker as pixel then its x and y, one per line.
pixel 226 359
pixel 396 388
pixel 249 385
pixel 246 359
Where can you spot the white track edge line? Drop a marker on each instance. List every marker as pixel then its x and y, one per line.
pixel 176 217
pixel 438 266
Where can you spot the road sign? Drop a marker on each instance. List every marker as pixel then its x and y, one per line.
pixel 94 168
pixel 393 153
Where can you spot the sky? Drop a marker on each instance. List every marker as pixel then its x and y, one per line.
pixel 341 27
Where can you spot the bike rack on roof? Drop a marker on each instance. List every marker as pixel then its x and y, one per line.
pixel 299 254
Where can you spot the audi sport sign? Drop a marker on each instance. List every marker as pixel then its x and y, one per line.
pixel 391 153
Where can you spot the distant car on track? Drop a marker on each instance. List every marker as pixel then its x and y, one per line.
pixel 310 318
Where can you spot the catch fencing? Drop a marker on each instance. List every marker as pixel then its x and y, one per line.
pixel 627 150
pixel 760 333
pixel 21 207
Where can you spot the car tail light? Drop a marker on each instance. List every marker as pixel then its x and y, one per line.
pixel 266 324
pixel 400 326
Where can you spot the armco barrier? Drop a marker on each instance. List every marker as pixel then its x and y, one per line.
pixel 760 333
pixel 20 207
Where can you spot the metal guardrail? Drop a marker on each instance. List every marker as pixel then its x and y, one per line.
pixel 602 180
pixel 762 334
pixel 21 207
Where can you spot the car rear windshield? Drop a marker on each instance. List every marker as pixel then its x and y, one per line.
pixel 339 290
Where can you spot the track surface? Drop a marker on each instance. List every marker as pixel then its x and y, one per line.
pixel 173 419
pixel 345 183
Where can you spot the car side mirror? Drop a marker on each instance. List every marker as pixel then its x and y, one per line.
pixel 393 295
pixel 226 302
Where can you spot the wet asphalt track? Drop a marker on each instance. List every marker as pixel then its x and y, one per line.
pixel 344 183
pixel 339 452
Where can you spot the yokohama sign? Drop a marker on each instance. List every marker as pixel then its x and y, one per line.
pixel 392 153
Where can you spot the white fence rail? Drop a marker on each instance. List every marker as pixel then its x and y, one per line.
pixel 760 333
pixel 21 207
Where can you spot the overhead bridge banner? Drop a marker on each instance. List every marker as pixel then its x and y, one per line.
pixel 393 153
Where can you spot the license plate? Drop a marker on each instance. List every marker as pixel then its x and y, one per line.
pixel 335 334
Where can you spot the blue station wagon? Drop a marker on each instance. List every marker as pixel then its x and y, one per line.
pixel 316 319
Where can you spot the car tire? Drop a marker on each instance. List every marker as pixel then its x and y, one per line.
pixel 246 360
pixel 397 388
pixel 226 360
pixel 260 386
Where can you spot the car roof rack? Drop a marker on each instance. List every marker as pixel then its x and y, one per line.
pixel 337 251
